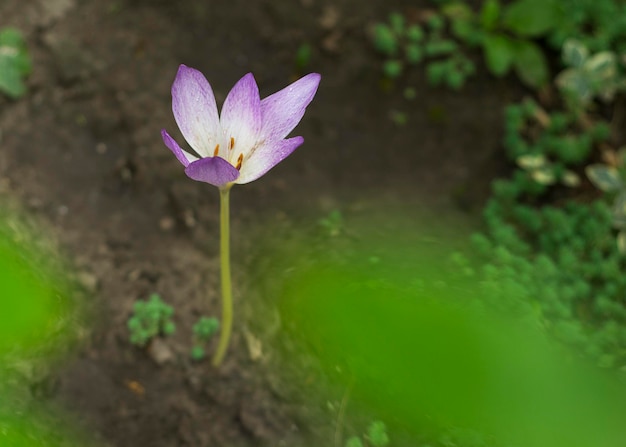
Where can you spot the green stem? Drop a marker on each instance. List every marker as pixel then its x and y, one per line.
pixel 227 291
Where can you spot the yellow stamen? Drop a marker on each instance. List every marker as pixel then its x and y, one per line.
pixel 232 143
pixel 216 151
pixel 239 161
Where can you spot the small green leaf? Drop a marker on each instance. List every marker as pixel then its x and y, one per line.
pixel 602 66
pixel 605 178
pixel 435 22
pixel 377 434
pixel 440 47
pixel 197 353
pixel 575 83
pixel 543 176
pixel 467 32
pixel 413 54
pixel 531 161
pixel 621 242
pixel 354 441
pixel 619 211
pixel 532 18
pixel 392 68
pixel 11 80
pixel 570 179
pixel 574 53
pixel 384 40
pixel 14 62
pixel 499 53
pixel 169 328
pixel 206 327
pixel 458 11
pixel 530 64
pixel 435 72
pixel 414 33
pixel 455 79
pixel 490 14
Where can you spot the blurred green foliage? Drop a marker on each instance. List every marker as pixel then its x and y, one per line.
pixel 599 24
pixel 563 262
pixel 15 62
pixel 39 323
pixel 611 179
pixel 428 353
pixel 37 312
pixel 376 436
pixel 467 352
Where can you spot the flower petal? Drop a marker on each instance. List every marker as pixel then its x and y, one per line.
pixel 283 110
pixel 213 170
pixel 195 111
pixel 266 157
pixel 241 117
pixel 183 156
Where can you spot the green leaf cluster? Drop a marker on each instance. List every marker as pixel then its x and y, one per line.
pixel 15 63
pixel 405 45
pixel 505 35
pixel 561 265
pixel 376 436
pixel 599 24
pixel 150 318
pixel 611 179
pixel 549 147
pixel 203 330
pixel 588 76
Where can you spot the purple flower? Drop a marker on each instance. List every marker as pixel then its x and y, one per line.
pixel 247 139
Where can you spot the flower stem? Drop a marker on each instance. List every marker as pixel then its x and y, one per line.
pixel 227 291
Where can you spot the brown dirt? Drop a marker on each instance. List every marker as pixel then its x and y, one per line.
pixel 82 153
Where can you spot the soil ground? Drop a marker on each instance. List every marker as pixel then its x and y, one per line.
pixel 82 153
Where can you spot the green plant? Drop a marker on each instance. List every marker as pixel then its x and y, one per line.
pixel 150 318
pixel 599 24
pixel 376 436
pixel 505 35
pixel 203 330
pixel 354 441
pixel 588 76
pixel 559 266
pixel 548 147
pixel 405 45
pixel 451 72
pixel 15 62
pixel 456 437
pixel 611 179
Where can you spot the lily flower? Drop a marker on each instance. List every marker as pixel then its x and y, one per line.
pixel 247 139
